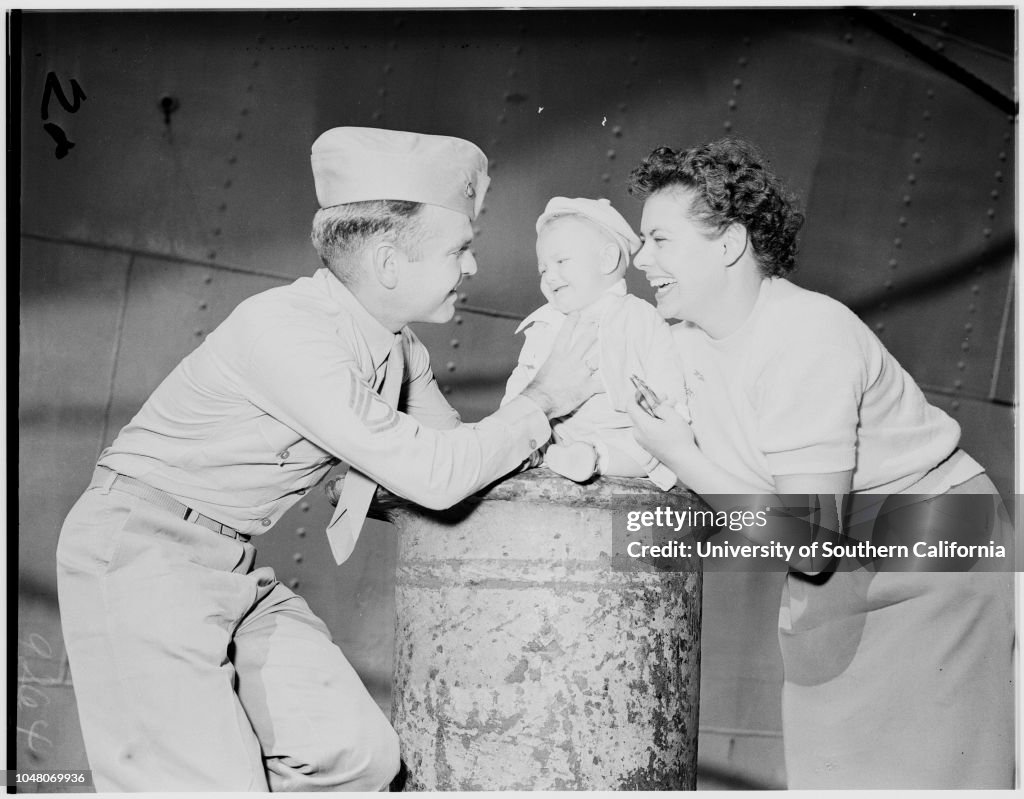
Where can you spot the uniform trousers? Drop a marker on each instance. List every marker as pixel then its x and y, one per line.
pixel 193 670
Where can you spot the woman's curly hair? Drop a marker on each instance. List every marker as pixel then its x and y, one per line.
pixel 730 183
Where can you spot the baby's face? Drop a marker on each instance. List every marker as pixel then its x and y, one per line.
pixel 570 258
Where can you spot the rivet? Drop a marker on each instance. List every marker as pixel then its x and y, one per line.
pixel 742 61
pixel 965 346
pixel 304 507
pixel 727 125
pixel 737 82
pixel 888 284
pixel 926 115
pixel 617 130
pixel 955 405
pixel 476 231
pixel 999 175
pixel 462 297
pixel 239 136
pixel 921 137
pixel 199 333
pixel 990 213
pixel 732 103
pixel 605 177
pixel 450 366
pixel 455 343
pixel 911 178
pixel 880 326
pixel 968 327
pixel 300 532
pixel 212 255
pixel 906 199
pixel 961 365
pixel 1008 136
pixel 203 306
pixel 902 221
pixel 293 583
pixel 501 119
pixel 388 69
pixel 382 92
pixel 208 279
pixel 375 116
pixel 458 320
pixel 930 93
pixel 611 155
pixel 746 41
pixel 492 164
pixel 232 160
pixel 994 194
pixel 1002 156
pixel 446 389
pixel 848 38
pixel 916 157
pixel 940 46
pixel 893 263
pixel 972 308
pixel 975 289
pixel 986 232
pixel 297 557
pixel 897 242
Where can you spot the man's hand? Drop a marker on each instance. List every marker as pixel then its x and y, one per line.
pixel 567 380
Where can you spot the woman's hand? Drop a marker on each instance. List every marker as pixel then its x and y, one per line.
pixel 667 437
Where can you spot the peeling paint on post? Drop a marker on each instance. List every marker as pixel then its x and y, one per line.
pixel 525 662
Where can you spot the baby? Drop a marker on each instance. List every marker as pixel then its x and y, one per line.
pixel 583 249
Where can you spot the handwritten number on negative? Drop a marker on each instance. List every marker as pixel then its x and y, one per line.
pixel 54 89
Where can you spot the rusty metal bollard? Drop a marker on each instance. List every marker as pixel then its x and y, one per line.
pixel 524 661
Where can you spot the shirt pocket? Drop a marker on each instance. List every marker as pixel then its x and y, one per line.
pixel 287 448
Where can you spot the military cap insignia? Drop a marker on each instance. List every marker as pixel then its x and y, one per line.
pixel 470 191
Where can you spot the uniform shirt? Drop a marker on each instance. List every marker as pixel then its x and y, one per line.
pixel 284 388
pixel 804 387
pixel 632 339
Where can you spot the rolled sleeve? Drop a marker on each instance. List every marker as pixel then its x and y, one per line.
pixel 808 409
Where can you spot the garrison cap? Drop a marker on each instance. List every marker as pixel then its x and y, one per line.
pixel 601 213
pixel 357 164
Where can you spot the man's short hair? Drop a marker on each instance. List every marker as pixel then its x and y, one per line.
pixel 340 232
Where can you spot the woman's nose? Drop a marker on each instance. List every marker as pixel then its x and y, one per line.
pixel 642 259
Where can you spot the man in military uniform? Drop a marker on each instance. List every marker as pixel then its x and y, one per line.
pixel 193 670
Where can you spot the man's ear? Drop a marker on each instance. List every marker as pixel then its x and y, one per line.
pixel 734 243
pixel 609 258
pixel 385 263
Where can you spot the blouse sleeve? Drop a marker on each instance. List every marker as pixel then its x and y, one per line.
pixel 807 400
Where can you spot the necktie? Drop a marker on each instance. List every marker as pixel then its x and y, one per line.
pixel 358 489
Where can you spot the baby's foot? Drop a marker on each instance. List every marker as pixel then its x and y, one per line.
pixel 577 461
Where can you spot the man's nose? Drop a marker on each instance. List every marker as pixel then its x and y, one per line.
pixel 468 263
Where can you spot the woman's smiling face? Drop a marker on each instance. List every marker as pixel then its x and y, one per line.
pixel 682 259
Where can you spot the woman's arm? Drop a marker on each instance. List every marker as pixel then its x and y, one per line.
pixel 812 503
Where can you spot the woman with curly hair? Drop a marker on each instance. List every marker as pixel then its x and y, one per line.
pixel 893 678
